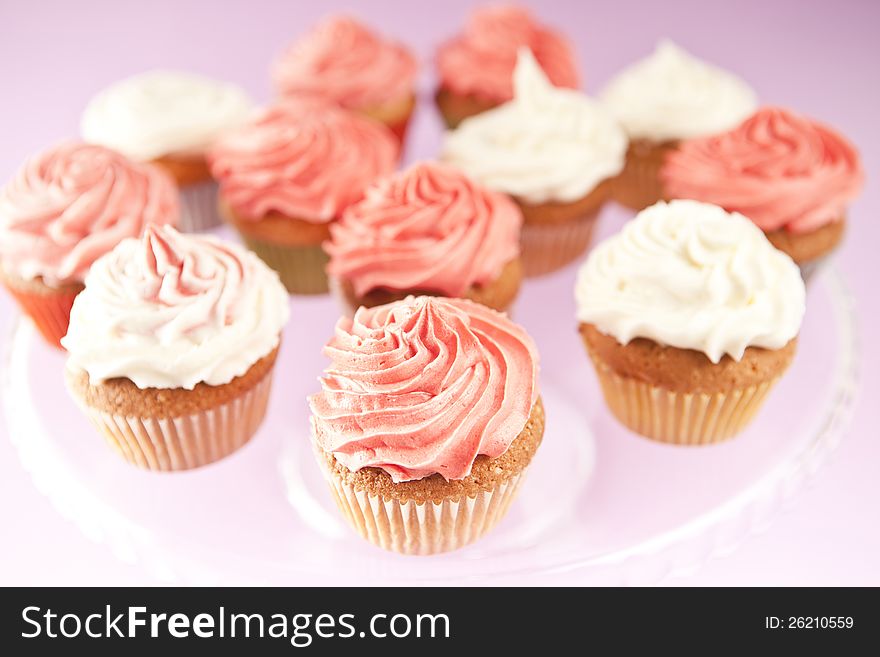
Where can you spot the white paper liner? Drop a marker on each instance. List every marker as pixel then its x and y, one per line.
pixel 680 418
pixel 187 441
pixel 546 248
pixel 426 528
pixel 198 207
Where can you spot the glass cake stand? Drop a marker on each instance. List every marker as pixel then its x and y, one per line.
pixel 600 505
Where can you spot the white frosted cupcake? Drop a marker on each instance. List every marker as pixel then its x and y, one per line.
pixel 690 315
pixel 665 98
pixel 553 150
pixel 172 345
pixel 170 119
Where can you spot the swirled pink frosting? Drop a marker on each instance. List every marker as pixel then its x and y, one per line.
pixel 305 158
pixel 427 228
pixel 778 168
pixel 481 60
pixel 73 203
pixel 345 61
pixel 423 386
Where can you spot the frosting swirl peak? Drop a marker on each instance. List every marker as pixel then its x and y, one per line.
pixel 171 310
pixel 344 61
pixel 427 228
pixel 304 157
pixel 74 202
pixel 481 61
pixel 689 275
pixel 424 386
pixel 780 169
pixel 672 95
pixel 547 144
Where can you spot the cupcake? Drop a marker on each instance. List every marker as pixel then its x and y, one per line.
pixel 170 119
pixel 346 62
pixel 690 316
pixel 63 209
pixel 426 421
pixel 475 69
pixel 554 152
pixel 428 230
pixel 172 345
pixel 792 176
pixel 661 100
pixel 291 171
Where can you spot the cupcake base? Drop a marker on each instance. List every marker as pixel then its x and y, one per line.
pixel 639 185
pixel 555 234
pixel 455 108
pixel 198 191
pixel 395 116
pixel 432 515
pixel 811 249
pixel 300 268
pixel 498 294
pixel 176 429
pixel 198 207
pixel 290 246
pixel 47 306
pixel 680 418
pixel 679 396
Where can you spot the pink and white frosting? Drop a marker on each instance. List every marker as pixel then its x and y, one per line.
pixel 73 203
pixel 171 310
pixel 426 228
pixel 778 168
pixel 481 60
pixel 423 386
pixel 304 158
pixel 343 60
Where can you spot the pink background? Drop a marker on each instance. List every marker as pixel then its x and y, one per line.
pixel 818 57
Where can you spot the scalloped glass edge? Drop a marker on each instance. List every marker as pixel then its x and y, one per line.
pixel 678 552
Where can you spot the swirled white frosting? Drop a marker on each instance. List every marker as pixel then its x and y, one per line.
pixel 672 95
pixel 690 275
pixel 163 112
pixel 547 144
pixel 172 310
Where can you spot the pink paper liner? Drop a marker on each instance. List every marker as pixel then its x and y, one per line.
pixel 198 207
pixel 421 528
pixel 187 441
pixel 546 248
pixel 49 310
pixel 680 418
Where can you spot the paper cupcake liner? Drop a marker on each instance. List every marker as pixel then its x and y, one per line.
pixel 810 268
pixel 638 185
pixel 422 528
pixel 680 418
pixel 399 128
pixel 187 441
pixel 198 207
pixel 301 268
pixel 49 308
pixel 548 247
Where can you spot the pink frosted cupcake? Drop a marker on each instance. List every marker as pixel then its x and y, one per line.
pixel 476 68
pixel 172 346
pixel 428 416
pixel 289 173
pixel 792 176
pixel 64 208
pixel 343 60
pixel 427 230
